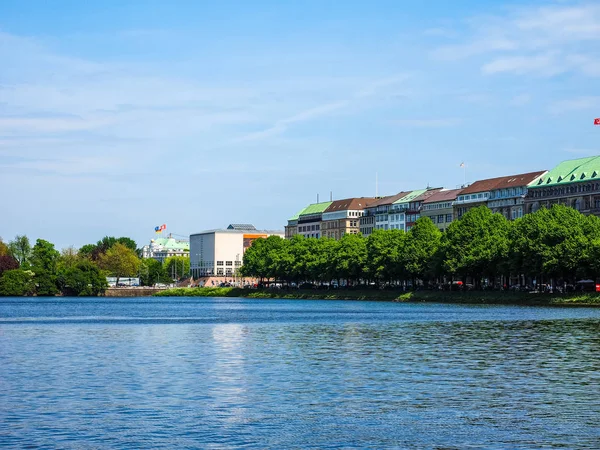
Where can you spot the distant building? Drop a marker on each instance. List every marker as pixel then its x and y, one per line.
pixel 342 217
pixel 574 183
pixel 377 215
pixel 221 252
pixel 308 223
pixel 163 248
pixel 406 209
pixel 439 207
pixel 505 195
pixel 413 213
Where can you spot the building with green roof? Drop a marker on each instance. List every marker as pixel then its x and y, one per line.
pixel 307 221
pixel 574 183
pixel 165 247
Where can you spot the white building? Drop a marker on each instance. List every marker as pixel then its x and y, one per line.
pixel 221 252
pixel 163 248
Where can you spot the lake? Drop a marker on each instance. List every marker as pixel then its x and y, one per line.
pixel 243 373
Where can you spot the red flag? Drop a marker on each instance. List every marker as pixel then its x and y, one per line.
pixel 597 121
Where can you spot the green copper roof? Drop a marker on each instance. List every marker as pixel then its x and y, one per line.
pixel 298 214
pixel 315 208
pixel 170 243
pixel 571 171
pixel 409 197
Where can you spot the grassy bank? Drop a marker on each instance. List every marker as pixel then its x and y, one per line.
pixel 488 297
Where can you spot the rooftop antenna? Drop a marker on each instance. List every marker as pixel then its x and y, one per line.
pixel 317 198
pixel 330 196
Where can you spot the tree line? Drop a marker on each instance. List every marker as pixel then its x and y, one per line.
pixel 556 245
pixel 42 270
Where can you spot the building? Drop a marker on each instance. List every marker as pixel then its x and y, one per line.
pixel 308 223
pixel 221 252
pixel 413 212
pixel 377 215
pixel 505 195
pixel 343 217
pixel 404 210
pixel 439 207
pixel 163 248
pixel 574 183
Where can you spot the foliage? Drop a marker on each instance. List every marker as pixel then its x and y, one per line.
pixel 120 261
pixel 20 249
pixel 177 267
pixel 82 279
pixel 4 251
pixel 17 283
pixel 152 272
pixel 422 243
pixel 7 262
pixel 476 244
pixel 44 261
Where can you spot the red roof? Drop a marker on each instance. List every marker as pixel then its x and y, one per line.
pixel 389 199
pixel 349 204
pixel 502 182
pixel 443 196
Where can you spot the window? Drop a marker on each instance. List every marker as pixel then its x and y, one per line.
pixel 229 263
pixel 219 263
pixel 448 217
pixel 440 218
pixel 220 271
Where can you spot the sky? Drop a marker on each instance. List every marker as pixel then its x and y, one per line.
pixel 118 116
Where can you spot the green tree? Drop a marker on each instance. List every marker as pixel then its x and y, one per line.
pixel 476 244
pixel 17 283
pixel 120 261
pixel 20 249
pixel 152 272
pixel 177 267
pixel 4 251
pixel 255 260
pixel 82 279
pixel 87 251
pixel 384 251
pixel 422 243
pixel 349 257
pixel 44 260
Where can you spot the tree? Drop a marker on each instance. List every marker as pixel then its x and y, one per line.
pixel 20 249
pixel 69 257
pixel 422 243
pixel 3 248
pixel 177 267
pixel 476 244
pixel 82 279
pixel 129 243
pixel 152 272
pixel 7 262
pixel 384 250
pixel 87 251
pixel 17 283
pixel 44 260
pixel 349 257
pixel 120 261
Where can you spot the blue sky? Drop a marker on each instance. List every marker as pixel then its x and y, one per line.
pixel 118 116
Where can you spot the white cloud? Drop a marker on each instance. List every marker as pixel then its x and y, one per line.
pixel 541 41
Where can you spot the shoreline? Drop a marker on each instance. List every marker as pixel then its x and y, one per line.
pixel 590 299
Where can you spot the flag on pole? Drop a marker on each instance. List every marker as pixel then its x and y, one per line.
pixel 597 121
pixel 462 164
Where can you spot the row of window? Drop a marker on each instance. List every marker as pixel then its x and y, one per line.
pixel 509 192
pixel 574 189
pixel 471 197
pixel 437 206
pixel 305 228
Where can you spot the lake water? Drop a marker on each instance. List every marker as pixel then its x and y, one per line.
pixel 232 373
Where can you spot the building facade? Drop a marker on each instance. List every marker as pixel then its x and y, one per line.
pixel 221 252
pixel 505 195
pixel 343 217
pixel 439 207
pixel 574 183
pixel 163 248
pixel 308 222
pixel 377 215
pixel 413 212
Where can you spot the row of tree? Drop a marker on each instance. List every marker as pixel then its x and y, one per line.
pixel 42 270
pixel 551 245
